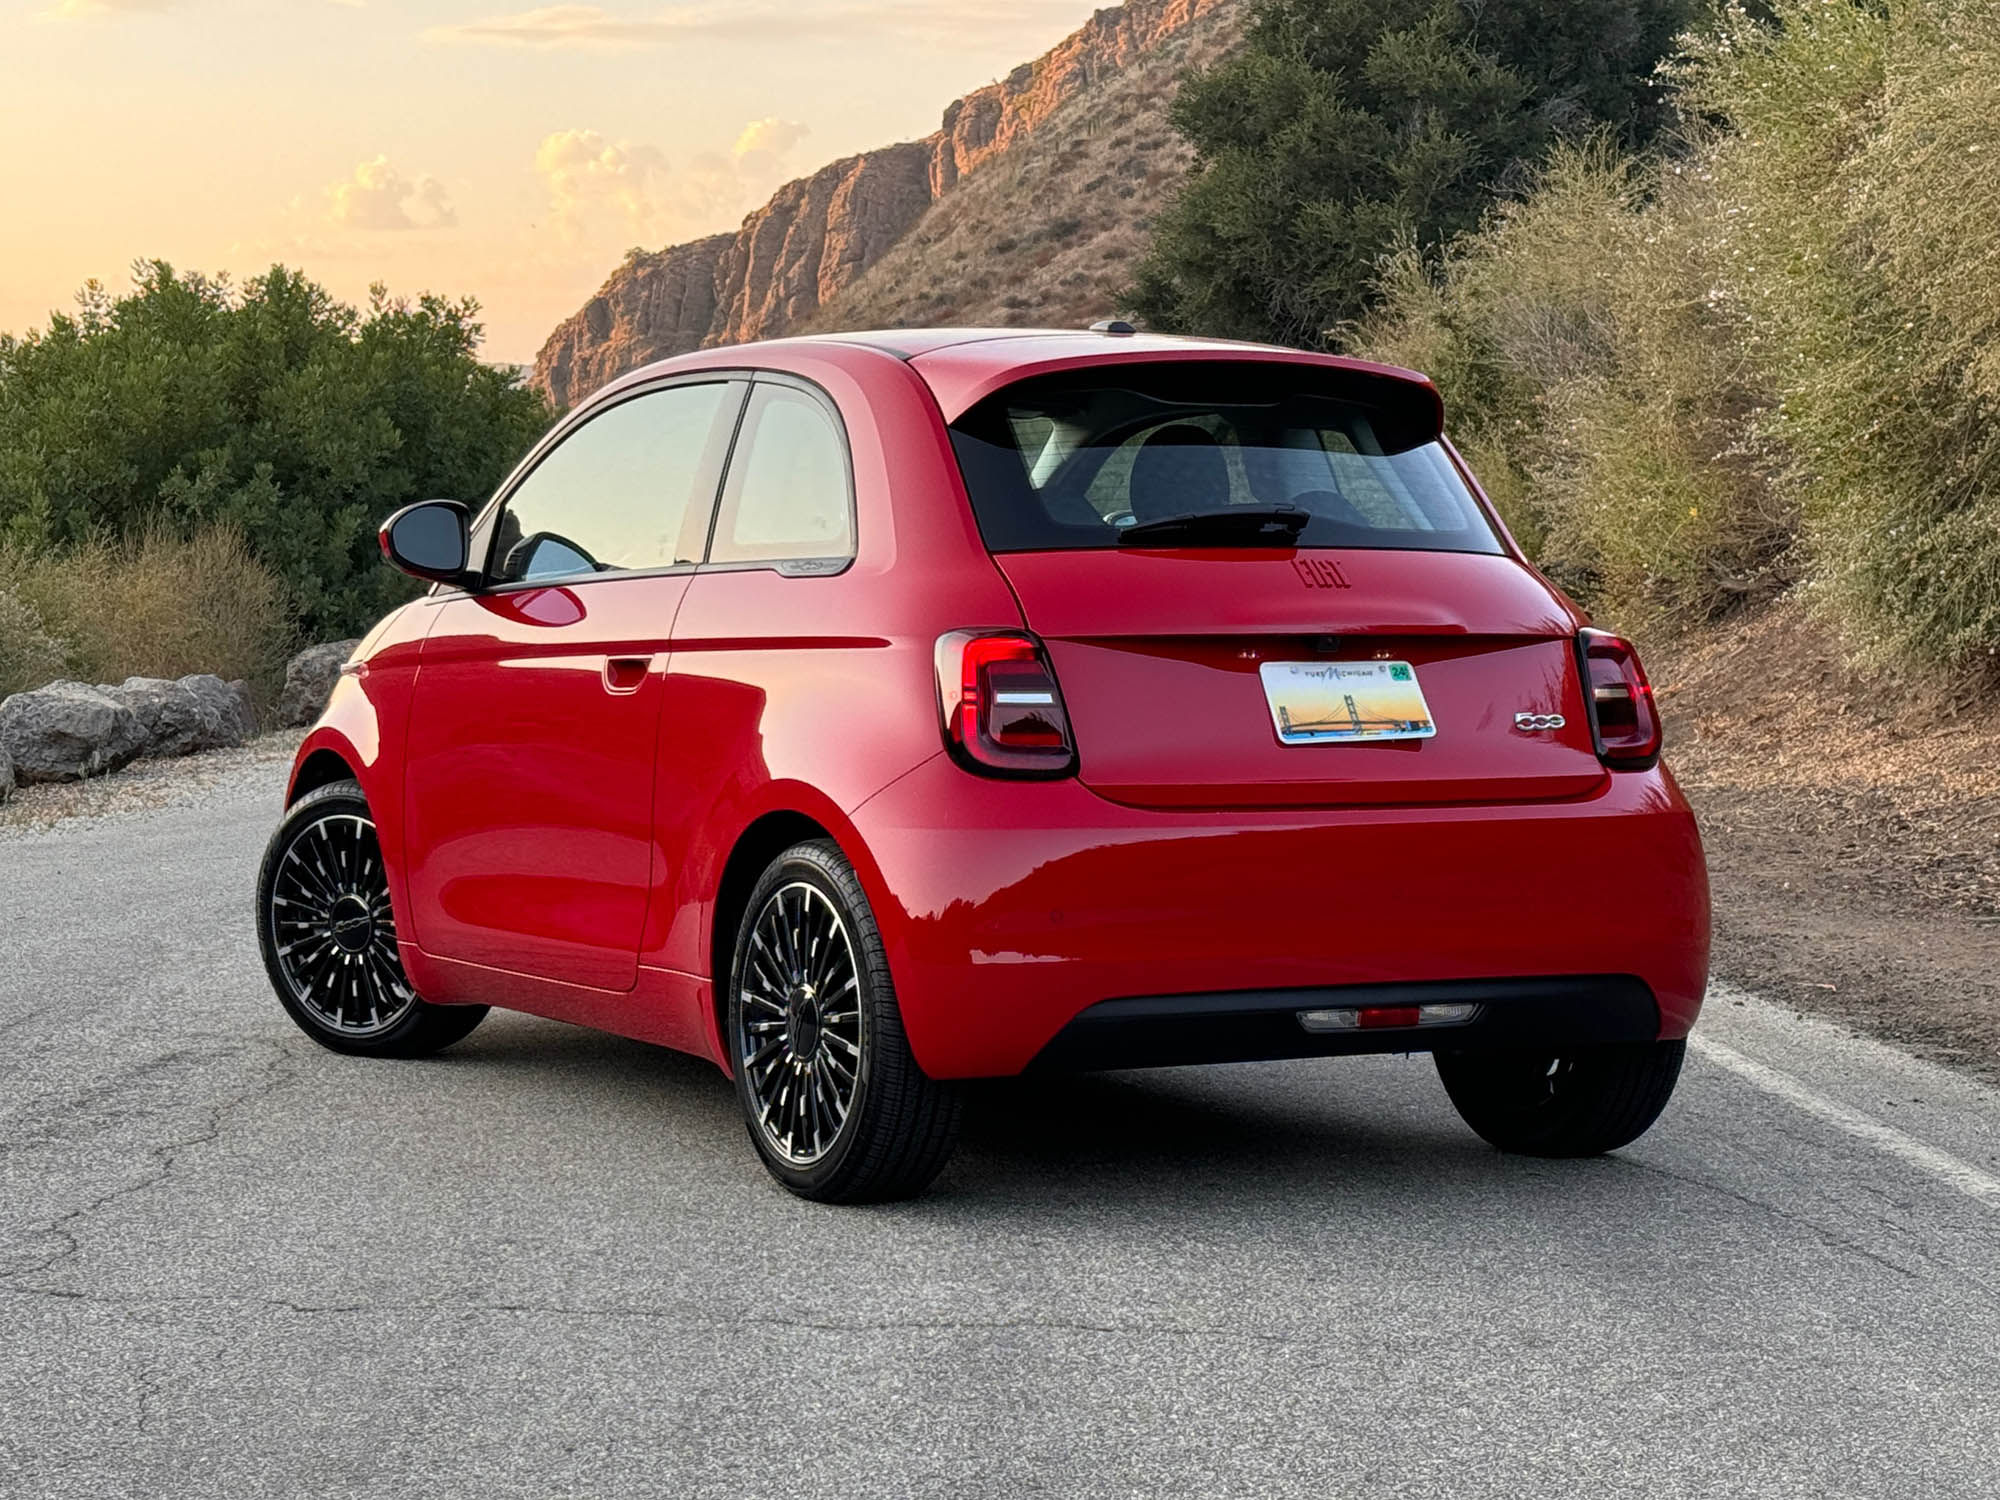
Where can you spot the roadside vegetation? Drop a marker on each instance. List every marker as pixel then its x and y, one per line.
pixel 1736 338
pixel 1341 124
pixel 153 605
pixel 191 474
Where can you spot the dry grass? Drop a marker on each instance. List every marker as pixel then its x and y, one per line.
pixel 161 605
pixel 1044 236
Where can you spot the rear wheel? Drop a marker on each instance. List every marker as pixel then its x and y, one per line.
pixel 1580 1103
pixel 329 937
pixel 835 1102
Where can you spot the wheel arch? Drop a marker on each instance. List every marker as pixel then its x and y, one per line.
pixel 792 814
pixel 318 768
pixel 763 840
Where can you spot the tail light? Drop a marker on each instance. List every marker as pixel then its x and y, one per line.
pixel 1623 719
pixel 1003 713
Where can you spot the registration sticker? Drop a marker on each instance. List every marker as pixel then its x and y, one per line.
pixel 1322 702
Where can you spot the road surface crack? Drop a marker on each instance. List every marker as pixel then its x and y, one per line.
pixel 677 1318
pixel 1831 1238
pixel 163 1158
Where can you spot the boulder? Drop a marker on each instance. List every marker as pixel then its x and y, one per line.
pixel 6 774
pixel 309 680
pixel 246 707
pixel 230 702
pixel 67 731
pixel 199 712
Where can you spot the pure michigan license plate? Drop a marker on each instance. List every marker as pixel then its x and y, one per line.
pixel 1324 702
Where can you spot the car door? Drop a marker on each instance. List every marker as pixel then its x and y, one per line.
pixel 530 764
pixel 764 650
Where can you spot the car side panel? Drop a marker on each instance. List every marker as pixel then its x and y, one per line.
pixel 529 769
pixel 809 694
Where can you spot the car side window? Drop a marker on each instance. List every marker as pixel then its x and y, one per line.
pixel 787 496
pixel 630 488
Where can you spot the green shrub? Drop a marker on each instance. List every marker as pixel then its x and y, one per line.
pixel 1863 160
pixel 275 410
pixel 1593 366
pixel 1342 124
pixel 1771 358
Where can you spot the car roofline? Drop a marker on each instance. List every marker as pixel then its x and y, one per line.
pixel 1065 348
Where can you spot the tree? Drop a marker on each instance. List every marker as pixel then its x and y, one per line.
pixel 275 409
pixel 1345 126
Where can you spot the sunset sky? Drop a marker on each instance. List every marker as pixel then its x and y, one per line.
pixel 457 146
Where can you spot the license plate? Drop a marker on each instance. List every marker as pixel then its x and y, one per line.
pixel 1326 702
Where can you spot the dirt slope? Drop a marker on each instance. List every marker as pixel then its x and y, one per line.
pixel 1045 236
pixel 1853 830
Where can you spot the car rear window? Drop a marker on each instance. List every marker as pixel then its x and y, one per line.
pixel 1071 461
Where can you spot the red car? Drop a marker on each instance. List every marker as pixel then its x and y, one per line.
pixel 871 712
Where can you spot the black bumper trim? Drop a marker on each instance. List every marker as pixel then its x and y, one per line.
pixel 1157 1031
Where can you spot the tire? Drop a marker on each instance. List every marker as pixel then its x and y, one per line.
pixel 1582 1103
pixel 329 937
pixel 834 1101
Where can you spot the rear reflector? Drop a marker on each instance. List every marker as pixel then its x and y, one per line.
pixel 1623 718
pixel 1003 713
pixel 1374 1017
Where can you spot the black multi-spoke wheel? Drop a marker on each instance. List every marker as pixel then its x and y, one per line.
pixel 802 1040
pixel 329 936
pixel 835 1102
pixel 1579 1103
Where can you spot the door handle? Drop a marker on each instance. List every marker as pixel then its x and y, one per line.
pixel 626 674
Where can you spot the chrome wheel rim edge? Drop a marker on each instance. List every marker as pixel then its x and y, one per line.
pixel 800 1040
pixel 333 935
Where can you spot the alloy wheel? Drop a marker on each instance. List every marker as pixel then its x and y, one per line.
pixel 333 934
pixel 800 1042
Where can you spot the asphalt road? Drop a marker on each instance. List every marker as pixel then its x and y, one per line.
pixel 548 1264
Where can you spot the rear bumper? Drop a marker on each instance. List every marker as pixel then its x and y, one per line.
pixel 1009 910
pixel 1159 1031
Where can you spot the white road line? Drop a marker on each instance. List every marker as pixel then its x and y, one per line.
pixel 1963 1175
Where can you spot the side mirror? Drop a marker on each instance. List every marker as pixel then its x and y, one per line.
pixel 430 540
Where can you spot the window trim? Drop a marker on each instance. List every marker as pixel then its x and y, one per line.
pixel 805 566
pixel 485 525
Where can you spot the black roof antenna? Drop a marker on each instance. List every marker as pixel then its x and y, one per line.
pixel 1116 327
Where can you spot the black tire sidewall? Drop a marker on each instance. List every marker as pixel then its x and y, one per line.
pixel 822 866
pixel 1610 1096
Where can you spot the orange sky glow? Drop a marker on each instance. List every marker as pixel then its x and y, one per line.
pixel 511 152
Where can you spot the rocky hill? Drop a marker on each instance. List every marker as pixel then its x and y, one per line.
pixel 1047 178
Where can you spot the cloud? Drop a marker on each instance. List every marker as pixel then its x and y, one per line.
pixel 68 10
pixel 600 188
pixel 377 196
pixel 763 145
pixel 71 8
pixel 937 22
pixel 586 174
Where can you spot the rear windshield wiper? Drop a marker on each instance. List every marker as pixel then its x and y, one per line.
pixel 1238 526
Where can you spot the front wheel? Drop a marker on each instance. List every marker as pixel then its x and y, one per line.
pixel 836 1104
pixel 329 937
pixel 1580 1103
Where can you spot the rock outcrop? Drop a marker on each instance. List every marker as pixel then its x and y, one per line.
pixel 819 234
pixel 181 717
pixel 309 680
pixel 67 731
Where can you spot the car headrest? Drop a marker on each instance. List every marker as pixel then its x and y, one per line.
pixel 1180 470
